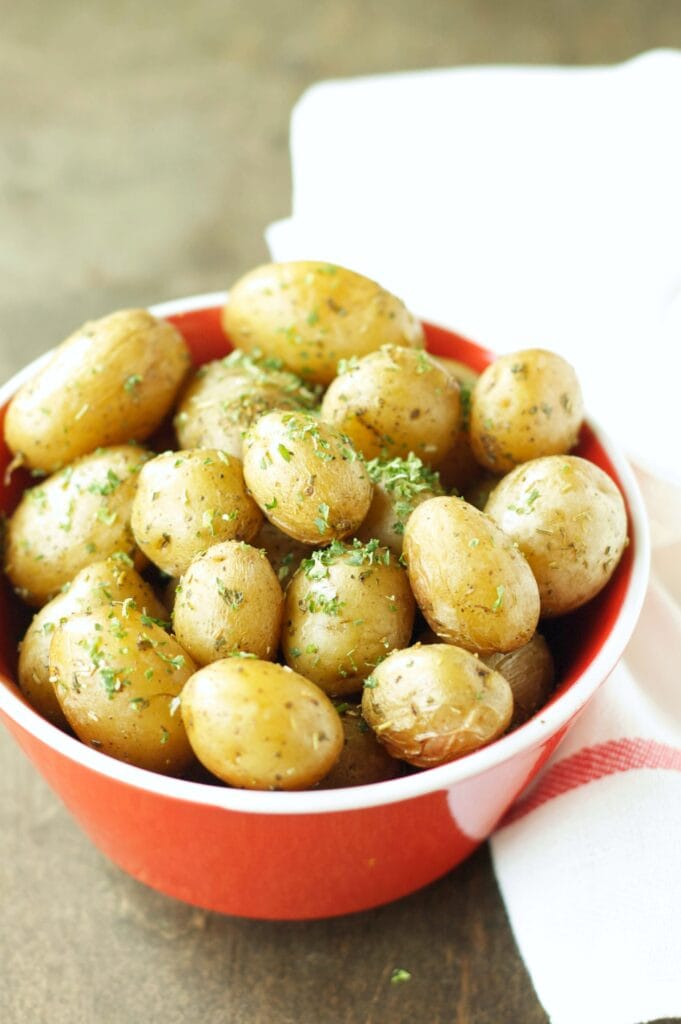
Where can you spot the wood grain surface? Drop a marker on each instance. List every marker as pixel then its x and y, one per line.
pixel 143 150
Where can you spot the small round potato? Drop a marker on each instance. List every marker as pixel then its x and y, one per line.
pixel 393 402
pixel 568 518
pixel 306 477
pixel 261 726
pixel 117 679
pixel 113 381
pixel 186 502
pixel 399 486
pixel 75 517
pixel 473 586
pixel 226 396
pixel 346 608
pixel 284 553
pixel 429 705
pixel 363 760
pixel 110 583
pixel 229 600
pixel 525 405
pixel 312 315
pixel 530 673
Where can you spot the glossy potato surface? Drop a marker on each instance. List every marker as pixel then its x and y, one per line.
pixel 530 673
pixel 261 726
pixel 311 315
pixel 113 381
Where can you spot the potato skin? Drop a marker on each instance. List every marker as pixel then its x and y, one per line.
pixel 311 315
pixel 186 502
pixel 393 402
pixel 261 726
pixel 229 600
pixel 283 552
pixel 103 584
pixel 345 609
pixel 363 760
pixel 430 705
pixel 116 679
pixel 77 516
pixel 472 585
pixel 569 520
pixel 306 477
pixel 525 405
pixel 399 486
pixel 530 673
pixel 114 380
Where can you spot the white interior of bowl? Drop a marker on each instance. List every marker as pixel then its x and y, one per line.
pixel 544 725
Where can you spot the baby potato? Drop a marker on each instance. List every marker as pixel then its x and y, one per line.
pixel 473 586
pixel 306 477
pixel 261 726
pixel 311 315
pixel 399 486
pixel 118 678
pixel 75 517
pixel 530 673
pixel 229 600
pixel 345 609
pixel 186 502
pixel 429 705
pixel 525 405
pixel 393 402
pixel 225 397
pixel 363 760
pixel 109 583
pixel 568 518
pixel 114 380
pixel 284 553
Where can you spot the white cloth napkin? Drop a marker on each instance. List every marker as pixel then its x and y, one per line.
pixel 542 207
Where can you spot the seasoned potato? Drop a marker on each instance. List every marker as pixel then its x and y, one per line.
pixel 568 518
pixel 363 760
pixel 525 405
pixel 284 553
pixel 472 585
pixel 186 502
pixel 399 486
pixel 346 608
pixel 459 467
pixel 225 397
pixel 113 381
pixel 229 600
pixel 393 402
pixel 110 583
pixel 306 477
pixel 261 726
pixel 530 673
pixel 75 517
pixel 429 705
pixel 117 679
pixel 311 315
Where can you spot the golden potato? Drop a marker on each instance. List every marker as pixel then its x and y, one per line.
pixel 311 315
pixel 306 477
pixel 395 401
pixel 261 726
pixel 530 673
pixel 399 486
pixel 472 585
pixel 109 583
pixel 363 760
pixel 568 518
pixel 525 405
pixel 284 553
pixel 229 600
pixel 113 381
pixel 429 705
pixel 225 397
pixel 118 679
pixel 345 609
pixel 186 502
pixel 75 517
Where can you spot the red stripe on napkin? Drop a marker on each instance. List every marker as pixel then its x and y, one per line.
pixel 594 763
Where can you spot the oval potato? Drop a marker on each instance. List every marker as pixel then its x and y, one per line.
pixel 363 760
pixel 399 486
pixel 530 673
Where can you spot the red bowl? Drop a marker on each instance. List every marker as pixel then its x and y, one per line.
pixel 318 854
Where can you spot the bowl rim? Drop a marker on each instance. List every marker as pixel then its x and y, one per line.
pixel 537 731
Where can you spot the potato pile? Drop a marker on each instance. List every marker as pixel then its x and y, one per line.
pixel 297 594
